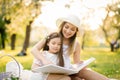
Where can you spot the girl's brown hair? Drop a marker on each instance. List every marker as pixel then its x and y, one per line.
pixel 71 40
pixel 60 53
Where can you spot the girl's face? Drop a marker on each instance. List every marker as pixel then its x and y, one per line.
pixel 69 30
pixel 54 45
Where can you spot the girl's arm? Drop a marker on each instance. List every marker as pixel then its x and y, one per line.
pixel 76 54
pixel 36 52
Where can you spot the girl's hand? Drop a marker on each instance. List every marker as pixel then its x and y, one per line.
pixel 47 62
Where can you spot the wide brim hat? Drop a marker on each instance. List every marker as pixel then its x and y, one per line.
pixel 72 19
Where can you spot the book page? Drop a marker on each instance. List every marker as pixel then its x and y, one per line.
pixel 84 64
pixel 51 68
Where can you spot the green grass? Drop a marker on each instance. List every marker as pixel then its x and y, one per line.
pixel 107 63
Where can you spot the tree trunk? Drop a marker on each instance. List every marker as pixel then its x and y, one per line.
pixel 83 41
pixel 26 41
pixel 112 47
pixel 3 42
pixel 13 39
pixel 3 38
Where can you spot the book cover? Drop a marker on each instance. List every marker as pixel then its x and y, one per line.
pixel 51 68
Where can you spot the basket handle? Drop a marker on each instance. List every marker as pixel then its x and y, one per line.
pixel 13 59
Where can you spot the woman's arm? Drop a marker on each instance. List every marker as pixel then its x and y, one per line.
pixel 36 52
pixel 76 54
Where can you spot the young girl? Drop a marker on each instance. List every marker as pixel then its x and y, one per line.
pixel 69 27
pixel 51 54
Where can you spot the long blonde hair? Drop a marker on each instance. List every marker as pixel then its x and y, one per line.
pixel 71 40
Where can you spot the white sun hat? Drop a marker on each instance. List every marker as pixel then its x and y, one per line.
pixel 73 19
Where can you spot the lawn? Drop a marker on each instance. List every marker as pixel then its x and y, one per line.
pixel 107 63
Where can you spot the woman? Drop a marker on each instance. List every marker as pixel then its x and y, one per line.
pixel 69 28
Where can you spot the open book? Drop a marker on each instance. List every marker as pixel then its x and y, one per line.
pixel 51 68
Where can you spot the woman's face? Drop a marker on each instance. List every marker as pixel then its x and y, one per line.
pixel 69 30
pixel 54 45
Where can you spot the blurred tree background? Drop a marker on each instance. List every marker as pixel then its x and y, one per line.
pixel 18 16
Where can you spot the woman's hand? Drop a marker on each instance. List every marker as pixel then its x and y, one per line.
pixel 77 64
pixel 80 62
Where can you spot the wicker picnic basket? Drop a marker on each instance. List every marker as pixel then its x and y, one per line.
pixel 9 75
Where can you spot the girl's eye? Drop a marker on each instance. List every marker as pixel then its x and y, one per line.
pixel 53 43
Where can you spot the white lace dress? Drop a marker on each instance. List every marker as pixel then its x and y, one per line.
pixel 50 57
